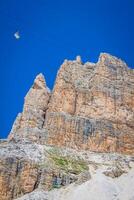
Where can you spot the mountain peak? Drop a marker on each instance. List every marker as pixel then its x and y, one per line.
pixel 108 59
pixel 92 95
pixel 54 140
pixel 39 82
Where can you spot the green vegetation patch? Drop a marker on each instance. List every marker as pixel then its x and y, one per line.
pixel 68 164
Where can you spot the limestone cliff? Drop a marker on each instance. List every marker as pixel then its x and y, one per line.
pixel 29 123
pixel 91 107
pixel 53 141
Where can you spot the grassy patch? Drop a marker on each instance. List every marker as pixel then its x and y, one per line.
pixel 70 165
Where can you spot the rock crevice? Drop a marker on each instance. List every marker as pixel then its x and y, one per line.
pixel 91 107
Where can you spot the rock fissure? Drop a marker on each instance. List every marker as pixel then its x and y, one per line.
pixel 91 108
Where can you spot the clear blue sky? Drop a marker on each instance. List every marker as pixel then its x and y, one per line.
pixel 52 30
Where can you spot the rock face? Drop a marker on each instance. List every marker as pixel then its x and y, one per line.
pixel 29 123
pixel 99 186
pixel 19 172
pixel 91 107
pixel 21 177
pixel 26 166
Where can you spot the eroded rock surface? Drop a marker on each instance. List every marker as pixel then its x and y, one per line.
pixel 98 186
pixel 26 166
pixel 19 172
pixel 92 106
pixel 29 123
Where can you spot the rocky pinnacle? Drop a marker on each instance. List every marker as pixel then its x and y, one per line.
pixel 91 107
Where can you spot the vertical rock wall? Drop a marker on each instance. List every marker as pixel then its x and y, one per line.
pixel 29 123
pixel 91 107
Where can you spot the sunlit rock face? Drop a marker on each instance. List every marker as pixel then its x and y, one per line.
pixel 64 139
pixel 19 168
pixel 29 123
pixel 16 178
pixel 92 106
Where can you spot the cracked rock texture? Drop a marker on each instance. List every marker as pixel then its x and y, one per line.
pixel 26 166
pixel 91 109
pixel 29 123
pixel 92 106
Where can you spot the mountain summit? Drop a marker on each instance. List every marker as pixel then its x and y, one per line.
pixel 91 107
pixel 77 139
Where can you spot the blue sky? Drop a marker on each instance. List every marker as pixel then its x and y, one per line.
pixel 52 30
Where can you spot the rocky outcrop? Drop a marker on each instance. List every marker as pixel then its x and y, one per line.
pixel 19 171
pixel 29 123
pixel 99 186
pixel 25 167
pixel 17 178
pixel 92 106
